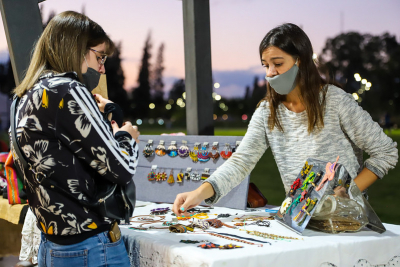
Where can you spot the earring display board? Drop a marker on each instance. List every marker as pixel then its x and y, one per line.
pixel 314 180
pixel 169 165
pixel 318 179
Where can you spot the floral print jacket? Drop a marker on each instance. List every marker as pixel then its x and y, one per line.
pixel 64 135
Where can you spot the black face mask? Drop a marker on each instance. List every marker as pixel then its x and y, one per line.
pixel 91 78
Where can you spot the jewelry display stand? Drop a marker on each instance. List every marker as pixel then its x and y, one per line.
pixel 162 191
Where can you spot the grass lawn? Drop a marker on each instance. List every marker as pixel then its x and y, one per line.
pixel 266 176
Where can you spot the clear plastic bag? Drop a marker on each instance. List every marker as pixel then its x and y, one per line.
pixel 337 214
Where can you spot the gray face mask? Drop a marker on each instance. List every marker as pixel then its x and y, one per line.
pixel 284 83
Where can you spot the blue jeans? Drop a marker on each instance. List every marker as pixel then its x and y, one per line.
pixel 94 251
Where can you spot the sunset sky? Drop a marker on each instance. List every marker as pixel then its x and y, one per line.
pixel 237 27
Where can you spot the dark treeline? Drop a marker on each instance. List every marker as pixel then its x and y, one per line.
pixel 374 58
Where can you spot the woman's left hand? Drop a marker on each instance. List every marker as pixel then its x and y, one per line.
pixel 101 101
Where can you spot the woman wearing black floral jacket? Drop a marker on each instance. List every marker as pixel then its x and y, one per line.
pixel 65 133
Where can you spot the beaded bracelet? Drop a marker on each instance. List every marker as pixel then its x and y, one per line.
pixel 201 216
pixel 269 236
pixel 146 218
pixel 178 228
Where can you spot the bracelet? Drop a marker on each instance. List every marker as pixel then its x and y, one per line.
pixel 201 216
pixel 239 238
pixel 269 236
pixel 177 228
pixel 146 218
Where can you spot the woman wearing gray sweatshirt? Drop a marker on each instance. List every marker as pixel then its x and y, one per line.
pixel 302 116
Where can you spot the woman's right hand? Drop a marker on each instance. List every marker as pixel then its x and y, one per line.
pixel 127 127
pixel 188 200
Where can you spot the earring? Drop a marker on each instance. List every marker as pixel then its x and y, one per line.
pixel 187 174
pixel 193 153
pixel 183 150
pixel 203 154
pixel 214 155
pixel 193 176
pixel 227 152
pixel 148 150
pixel 160 149
pixel 163 176
pixel 152 174
pixel 236 147
pixel 172 150
pixel 179 177
pixel 171 178
pixel 205 174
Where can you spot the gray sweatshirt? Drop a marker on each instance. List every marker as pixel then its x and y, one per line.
pixel 348 131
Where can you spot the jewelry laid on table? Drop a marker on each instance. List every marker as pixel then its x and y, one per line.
pixel 146 218
pixel 229 246
pixel 152 174
pixel 205 174
pixel 192 241
pixel 151 227
pixel 224 215
pixel 196 210
pixel 208 245
pixel 187 174
pixel 160 149
pixel 203 225
pixel 193 153
pixel 261 223
pixel 252 218
pixel 227 152
pixel 203 154
pixel 177 228
pixel 217 223
pixel 179 177
pixel 148 150
pixel 171 178
pixel 214 153
pixel 159 211
pixel 183 150
pixel 172 151
pixel 235 238
pixel 201 216
pixel 269 236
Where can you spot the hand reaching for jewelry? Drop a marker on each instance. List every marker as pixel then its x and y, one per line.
pixel 188 200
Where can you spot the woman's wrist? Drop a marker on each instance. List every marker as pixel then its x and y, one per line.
pixel 205 191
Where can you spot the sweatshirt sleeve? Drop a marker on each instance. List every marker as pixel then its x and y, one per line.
pixel 368 136
pixel 241 163
pixel 81 127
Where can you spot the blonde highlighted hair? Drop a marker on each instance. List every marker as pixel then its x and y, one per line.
pixel 62 46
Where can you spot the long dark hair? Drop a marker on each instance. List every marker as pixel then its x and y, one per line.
pixel 61 47
pixel 294 41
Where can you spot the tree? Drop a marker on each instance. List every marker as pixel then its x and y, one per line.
pixel 157 84
pixel 116 79
pixel 375 58
pixel 141 95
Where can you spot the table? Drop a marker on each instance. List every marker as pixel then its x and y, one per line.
pixel 161 248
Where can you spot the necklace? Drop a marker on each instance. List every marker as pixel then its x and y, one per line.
pixel 269 236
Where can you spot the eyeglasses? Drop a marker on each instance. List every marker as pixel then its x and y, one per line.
pixel 102 59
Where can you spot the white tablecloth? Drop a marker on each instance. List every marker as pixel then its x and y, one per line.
pixel 162 248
